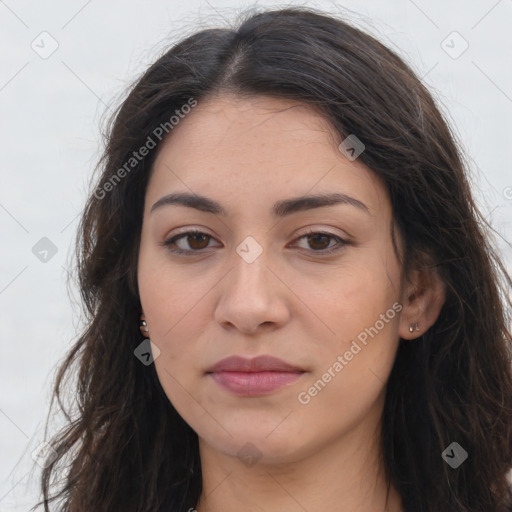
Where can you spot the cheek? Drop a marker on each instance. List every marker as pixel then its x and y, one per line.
pixel 360 306
pixel 174 313
pixel 354 298
pixel 350 374
pixel 173 299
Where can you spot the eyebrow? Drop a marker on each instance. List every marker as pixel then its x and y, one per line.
pixel 280 208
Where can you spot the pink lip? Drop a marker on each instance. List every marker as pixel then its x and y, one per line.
pixel 252 377
pixel 256 364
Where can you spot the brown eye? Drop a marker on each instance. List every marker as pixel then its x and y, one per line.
pixel 197 241
pixel 319 241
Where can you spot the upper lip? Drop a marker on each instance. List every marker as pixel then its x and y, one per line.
pixel 256 364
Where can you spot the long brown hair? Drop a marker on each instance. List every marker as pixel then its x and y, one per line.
pixel 125 448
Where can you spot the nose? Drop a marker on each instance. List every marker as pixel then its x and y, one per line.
pixel 252 297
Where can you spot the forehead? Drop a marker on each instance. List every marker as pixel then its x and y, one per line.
pixel 250 150
pixel 249 128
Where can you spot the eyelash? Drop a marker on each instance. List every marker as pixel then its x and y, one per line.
pixel 171 241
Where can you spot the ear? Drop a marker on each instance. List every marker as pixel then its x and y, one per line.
pixel 422 298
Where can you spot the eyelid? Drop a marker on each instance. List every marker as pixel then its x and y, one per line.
pixel 168 241
pixel 342 242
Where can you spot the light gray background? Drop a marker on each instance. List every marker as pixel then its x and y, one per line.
pixel 50 117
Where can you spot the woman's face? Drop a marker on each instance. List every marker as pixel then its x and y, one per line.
pixel 255 283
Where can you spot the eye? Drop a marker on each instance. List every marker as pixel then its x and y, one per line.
pixel 198 241
pixel 321 241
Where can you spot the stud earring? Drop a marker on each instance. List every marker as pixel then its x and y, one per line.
pixel 415 328
pixel 143 325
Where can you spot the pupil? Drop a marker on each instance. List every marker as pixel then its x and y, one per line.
pixel 197 236
pixel 316 237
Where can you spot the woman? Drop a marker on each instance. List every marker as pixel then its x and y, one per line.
pixel 285 217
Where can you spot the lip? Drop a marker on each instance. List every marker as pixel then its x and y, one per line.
pixel 256 364
pixel 253 377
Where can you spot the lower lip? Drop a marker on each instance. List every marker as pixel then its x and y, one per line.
pixel 254 383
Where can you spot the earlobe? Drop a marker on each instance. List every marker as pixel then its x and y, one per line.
pixel 423 298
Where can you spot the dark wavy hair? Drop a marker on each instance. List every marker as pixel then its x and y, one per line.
pixel 124 447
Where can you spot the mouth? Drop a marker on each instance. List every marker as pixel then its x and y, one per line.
pixel 253 377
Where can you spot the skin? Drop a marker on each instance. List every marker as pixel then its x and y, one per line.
pixel 290 302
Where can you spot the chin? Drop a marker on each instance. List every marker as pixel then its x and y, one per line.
pixel 252 441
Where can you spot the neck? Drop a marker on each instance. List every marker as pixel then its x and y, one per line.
pixel 345 475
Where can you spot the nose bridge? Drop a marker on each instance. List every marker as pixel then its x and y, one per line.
pixel 250 271
pixel 249 296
